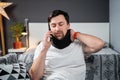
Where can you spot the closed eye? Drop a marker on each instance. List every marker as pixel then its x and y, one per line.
pixel 61 24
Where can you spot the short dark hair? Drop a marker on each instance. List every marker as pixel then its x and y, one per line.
pixel 56 13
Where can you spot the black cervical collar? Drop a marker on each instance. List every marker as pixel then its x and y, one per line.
pixel 60 44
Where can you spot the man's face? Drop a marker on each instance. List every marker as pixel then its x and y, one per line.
pixel 59 26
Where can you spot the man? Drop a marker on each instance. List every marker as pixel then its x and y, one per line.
pixel 62 57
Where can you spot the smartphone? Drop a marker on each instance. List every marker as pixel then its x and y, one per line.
pixel 50 39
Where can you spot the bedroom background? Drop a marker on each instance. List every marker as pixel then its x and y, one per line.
pixel 85 11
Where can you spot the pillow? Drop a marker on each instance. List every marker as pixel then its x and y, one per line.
pixel 13 72
pixel 27 57
pixel 9 58
pixel 2 60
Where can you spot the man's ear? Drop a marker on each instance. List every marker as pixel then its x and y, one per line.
pixel 69 26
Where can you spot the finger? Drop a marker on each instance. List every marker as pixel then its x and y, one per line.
pixel 48 35
pixel 48 39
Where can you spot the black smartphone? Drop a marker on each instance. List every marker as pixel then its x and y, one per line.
pixel 50 34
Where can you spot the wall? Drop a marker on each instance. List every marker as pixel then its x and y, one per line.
pixel 38 10
pixel 115 24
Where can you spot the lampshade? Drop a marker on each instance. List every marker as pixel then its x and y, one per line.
pixel 24 32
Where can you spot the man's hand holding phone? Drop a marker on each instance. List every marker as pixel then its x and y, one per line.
pixel 46 40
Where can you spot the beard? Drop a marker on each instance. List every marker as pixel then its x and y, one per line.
pixel 59 35
pixel 60 41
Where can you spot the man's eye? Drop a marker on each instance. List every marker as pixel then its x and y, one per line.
pixel 61 24
pixel 53 26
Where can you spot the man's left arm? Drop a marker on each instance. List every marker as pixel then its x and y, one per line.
pixel 90 43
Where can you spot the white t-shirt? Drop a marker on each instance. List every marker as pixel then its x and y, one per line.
pixel 64 64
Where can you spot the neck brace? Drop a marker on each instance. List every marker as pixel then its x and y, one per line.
pixel 60 44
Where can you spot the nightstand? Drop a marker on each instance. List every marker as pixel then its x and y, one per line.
pixel 21 50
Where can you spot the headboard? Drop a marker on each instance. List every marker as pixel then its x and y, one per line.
pixel 37 30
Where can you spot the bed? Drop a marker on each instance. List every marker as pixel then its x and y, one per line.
pixel 102 65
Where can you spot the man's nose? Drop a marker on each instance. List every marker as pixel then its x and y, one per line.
pixel 57 28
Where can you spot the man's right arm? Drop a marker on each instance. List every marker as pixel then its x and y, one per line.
pixel 37 69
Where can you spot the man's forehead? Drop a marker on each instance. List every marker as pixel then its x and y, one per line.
pixel 57 20
pixel 53 23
